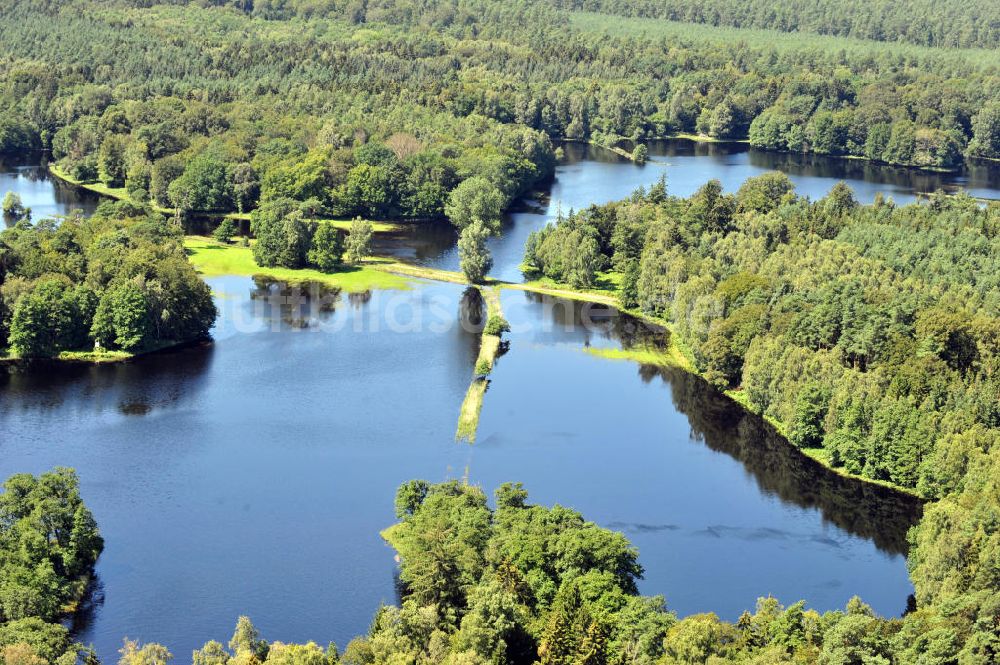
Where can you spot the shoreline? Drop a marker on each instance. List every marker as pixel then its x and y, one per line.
pixel 96 358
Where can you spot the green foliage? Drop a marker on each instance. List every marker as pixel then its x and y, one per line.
pixel 475 200
pixel 13 207
pixel 496 325
pixel 640 154
pixel 111 165
pixel 568 251
pixel 811 405
pixel 916 21
pixel 869 331
pixel 327 250
pixel 122 319
pixel 359 241
pixel 474 256
pixel 119 279
pixel 283 235
pixel 204 185
pixel 48 541
pixel 225 231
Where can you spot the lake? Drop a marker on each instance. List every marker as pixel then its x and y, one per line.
pixel 593 175
pixel 252 476
pixel 45 195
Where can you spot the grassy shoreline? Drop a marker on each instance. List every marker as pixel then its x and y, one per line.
pixel 121 194
pixel 94 357
pixel 213 259
pixel 678 355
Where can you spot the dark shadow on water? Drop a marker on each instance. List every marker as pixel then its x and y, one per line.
pixel 88 611
pixel 871 511
pixel 136 387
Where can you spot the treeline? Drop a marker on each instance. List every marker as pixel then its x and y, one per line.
pixel 924 22
pixel 382 108
pixel 520 584
pixel 118 280
pixel 49 543
pixel 871 333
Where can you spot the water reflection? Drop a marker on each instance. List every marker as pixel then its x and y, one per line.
pixel 46 196
pixel 721 508
pixel 164 380
pixel 870 511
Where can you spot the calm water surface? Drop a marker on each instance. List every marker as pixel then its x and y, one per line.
pixel 592 175
pixel 252 476
pixel 46 196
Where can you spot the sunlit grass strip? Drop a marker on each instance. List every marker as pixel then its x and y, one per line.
pixel 468 416
pixel 121 194
pixel 489 346
pixel 212 258
pixel 94 357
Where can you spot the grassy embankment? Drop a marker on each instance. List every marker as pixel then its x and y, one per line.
pixel 117 193
pixel 94 357
pixel 489 349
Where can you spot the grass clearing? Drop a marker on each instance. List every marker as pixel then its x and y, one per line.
pixel 212 259
pixel 687 33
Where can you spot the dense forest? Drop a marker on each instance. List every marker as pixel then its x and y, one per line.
pixel 871 333
pixel 924 22
pixel 382 109
pixel 118 280
pixel 868 334
pixel 49 543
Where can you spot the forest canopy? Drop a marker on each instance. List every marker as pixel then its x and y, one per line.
pixel 382 109
pixel 49 543
pixel 118 280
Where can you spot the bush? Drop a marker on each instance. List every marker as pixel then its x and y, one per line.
pixel 497 325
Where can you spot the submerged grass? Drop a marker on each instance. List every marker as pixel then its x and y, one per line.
pixel 669 356
pixel 212 258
